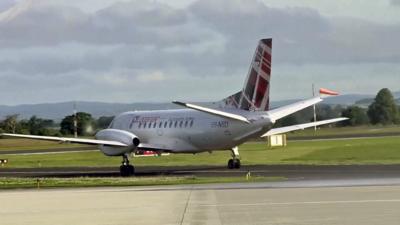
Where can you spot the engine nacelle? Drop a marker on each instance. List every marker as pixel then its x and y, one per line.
pixel 131 140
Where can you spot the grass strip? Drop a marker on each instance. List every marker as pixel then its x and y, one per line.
pixel 31 183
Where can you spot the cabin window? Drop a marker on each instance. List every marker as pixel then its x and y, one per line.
pixel 165 124
pixel 191 123
pixel 170 124
pixel 144 125
pixel 155 124
pixel 149 125
pixel 176 124
pixel 186 123
pixel 140 125
pixel 180 124
pixel 160 124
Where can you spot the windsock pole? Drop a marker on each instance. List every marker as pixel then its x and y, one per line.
pixel 315 114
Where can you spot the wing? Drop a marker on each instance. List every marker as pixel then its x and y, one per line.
pixel 283 111
pixel 71 140
pixel 213 112
pixel 152 147
pixel 282 130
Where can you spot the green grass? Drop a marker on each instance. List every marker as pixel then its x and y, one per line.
pixel 12 183
pixel 385 150
pixel 362 151
pixel 28 144
pixel 335 131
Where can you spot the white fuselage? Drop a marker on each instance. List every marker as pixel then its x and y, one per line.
pixel 190 131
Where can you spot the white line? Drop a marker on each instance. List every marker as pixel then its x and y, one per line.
pixel 55 172
pixel 306 203
pixel 46 153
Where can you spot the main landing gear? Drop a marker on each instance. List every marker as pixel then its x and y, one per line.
pixel 126 169
pixel 234 163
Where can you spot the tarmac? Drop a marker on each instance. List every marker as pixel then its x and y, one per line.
pixel 311 195
pixel 292 172
pixel 334 202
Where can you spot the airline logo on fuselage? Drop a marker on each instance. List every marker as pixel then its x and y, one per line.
pixel 155 119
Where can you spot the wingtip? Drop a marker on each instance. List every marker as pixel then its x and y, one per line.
pixel 179 103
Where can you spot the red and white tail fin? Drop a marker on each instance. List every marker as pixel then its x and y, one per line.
pixel 255 93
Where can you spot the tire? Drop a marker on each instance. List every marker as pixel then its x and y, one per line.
pixel 236 163
pixel 231 164
pixel 124 171
pixel 131 170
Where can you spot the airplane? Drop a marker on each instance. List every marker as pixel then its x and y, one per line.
pixel 194 129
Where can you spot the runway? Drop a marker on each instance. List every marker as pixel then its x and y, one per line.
pixel 277 203
pixel 292 172
pixel 330 195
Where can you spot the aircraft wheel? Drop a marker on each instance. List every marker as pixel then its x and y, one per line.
pixel 236 163
pixel 131 170
pixel 127 170
pixel 231 164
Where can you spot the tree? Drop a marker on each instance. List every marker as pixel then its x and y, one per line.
pixel 10 123
pixel 383 110
pixel 356 115
pixel 85 124
pixel 38 126
pixel 287 121
pixel 104 121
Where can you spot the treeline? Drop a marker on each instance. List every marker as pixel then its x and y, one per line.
pixel 86 125
pixel 383 110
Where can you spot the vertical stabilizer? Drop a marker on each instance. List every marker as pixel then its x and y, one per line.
pixel 255 92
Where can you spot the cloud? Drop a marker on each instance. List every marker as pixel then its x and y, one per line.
pixel 47 44
pixel 301 35
pixel 395 2
pixel 6 4
pixel 135 22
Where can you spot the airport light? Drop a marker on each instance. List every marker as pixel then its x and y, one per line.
pixel 3 161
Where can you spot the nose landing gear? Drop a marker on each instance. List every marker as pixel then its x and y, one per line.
pixel 234 163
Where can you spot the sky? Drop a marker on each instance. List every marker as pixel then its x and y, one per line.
pixel 192 50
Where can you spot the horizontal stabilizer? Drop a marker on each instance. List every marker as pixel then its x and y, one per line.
pixel 213 112
pixel 287 129
pixel 70 140
pixel 283 111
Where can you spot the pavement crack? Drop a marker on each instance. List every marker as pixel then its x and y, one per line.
pixel 187 205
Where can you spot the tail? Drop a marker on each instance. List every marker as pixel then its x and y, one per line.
pixel 255 93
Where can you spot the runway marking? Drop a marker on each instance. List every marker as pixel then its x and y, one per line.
pixel 57 172
pixel 49 153
pixel 306 203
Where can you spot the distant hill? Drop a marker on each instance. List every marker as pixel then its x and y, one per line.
pixel 368 101
pixel 57 111
pixel 348 99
